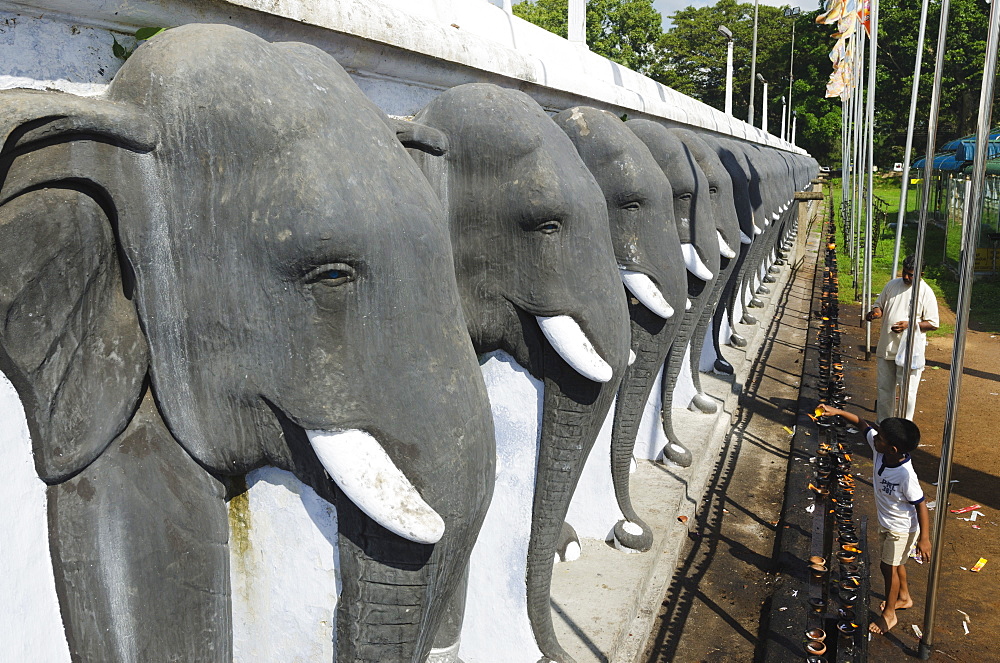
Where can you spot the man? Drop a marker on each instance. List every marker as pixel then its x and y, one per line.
pixel 893 307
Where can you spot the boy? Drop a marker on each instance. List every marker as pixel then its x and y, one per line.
pixel 902 513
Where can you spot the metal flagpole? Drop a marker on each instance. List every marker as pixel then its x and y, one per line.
pixel 753 65
pixel 845 123
pixel 859 154
pixel 870 164
pixel 961 320
pixel 918 255
pixel 904 185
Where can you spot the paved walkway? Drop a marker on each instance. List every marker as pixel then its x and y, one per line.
pixel 721 592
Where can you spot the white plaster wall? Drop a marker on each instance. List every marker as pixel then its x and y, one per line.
pixel 496 612
pixel 45 54
pixel 31 627
pixel 422 47
pixel 286 582
pixel 594 510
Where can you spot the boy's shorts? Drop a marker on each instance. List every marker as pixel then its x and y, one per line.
pixel 895 546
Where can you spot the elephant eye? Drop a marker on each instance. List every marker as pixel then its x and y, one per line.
pixel 713 190
pixel 632 206
pixel 549 226
pixel 331 275
pixel 685 196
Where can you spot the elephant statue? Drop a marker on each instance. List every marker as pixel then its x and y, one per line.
pixel 749 272
pixel 647 249
pixel 229 261
pixel 734 162
pixel 723 210
pixel 538 281
pixel 701 250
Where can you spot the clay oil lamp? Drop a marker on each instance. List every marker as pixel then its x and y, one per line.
pixel 850 584
pixel 815 648
pixel 851 539
pixel 846 527
pixel 845 615
pixel 851 570
pixel 817 604
pixel 819 571
pixel 815 659
pixel 816 559
pixel 817 634
pixel 848 599
pixel 847 627
pixel 846 556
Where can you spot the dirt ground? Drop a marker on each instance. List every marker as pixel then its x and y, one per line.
pixel 714 608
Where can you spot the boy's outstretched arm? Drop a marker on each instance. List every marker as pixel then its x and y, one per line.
pixel 924 538
pixel 830 411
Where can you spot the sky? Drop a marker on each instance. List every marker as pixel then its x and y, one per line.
pixel 668 7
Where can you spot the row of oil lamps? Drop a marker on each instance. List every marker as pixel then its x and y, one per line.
pixel 833 484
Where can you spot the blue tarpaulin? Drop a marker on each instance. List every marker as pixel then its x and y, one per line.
pixel 941 162
pixel 959 153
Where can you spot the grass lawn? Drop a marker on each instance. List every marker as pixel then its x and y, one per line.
pixel 985 309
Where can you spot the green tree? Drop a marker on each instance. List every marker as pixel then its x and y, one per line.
pixel 965 53
pixel 624 31
pixel 693 61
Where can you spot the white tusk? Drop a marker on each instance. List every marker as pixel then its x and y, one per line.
pixel 631 356
pixel 646 292
pixel 687 304
pixel 694 264
pixel 744 239
pixel 569 341
pixel 358 464
pixel 757 230
pixel 775 216
pixel 724 248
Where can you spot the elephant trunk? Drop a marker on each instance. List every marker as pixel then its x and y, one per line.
pixel 651 336
pixel 698 292
pixel 388 608
pixel 573 410
pixel 701 400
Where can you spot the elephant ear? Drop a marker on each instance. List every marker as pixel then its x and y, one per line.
pixel 70 340
pixel 421 137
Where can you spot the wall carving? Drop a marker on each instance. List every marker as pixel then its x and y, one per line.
pixel 233 261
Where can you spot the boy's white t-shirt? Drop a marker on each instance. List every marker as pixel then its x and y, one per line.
pixel 897 491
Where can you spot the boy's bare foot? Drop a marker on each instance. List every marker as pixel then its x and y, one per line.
pixel 883 624
pixel 900 605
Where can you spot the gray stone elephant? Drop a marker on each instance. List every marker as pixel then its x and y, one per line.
pixel 737 170
pixel 538 279
pixel 647 249
pixel 228 261
pixel 723 211
pixel 700 246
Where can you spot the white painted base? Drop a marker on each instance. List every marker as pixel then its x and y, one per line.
pixel 594 510
pixel 496 614
pixel 286 581
pixel 31 627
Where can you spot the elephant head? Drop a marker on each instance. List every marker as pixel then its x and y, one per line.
pixel 737 171
pixel 639 200
pixel 700 247
pixel 228 261
pixel 720 190
pixel 538 278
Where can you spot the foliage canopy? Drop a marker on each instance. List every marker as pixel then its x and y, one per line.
pixel 691 58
